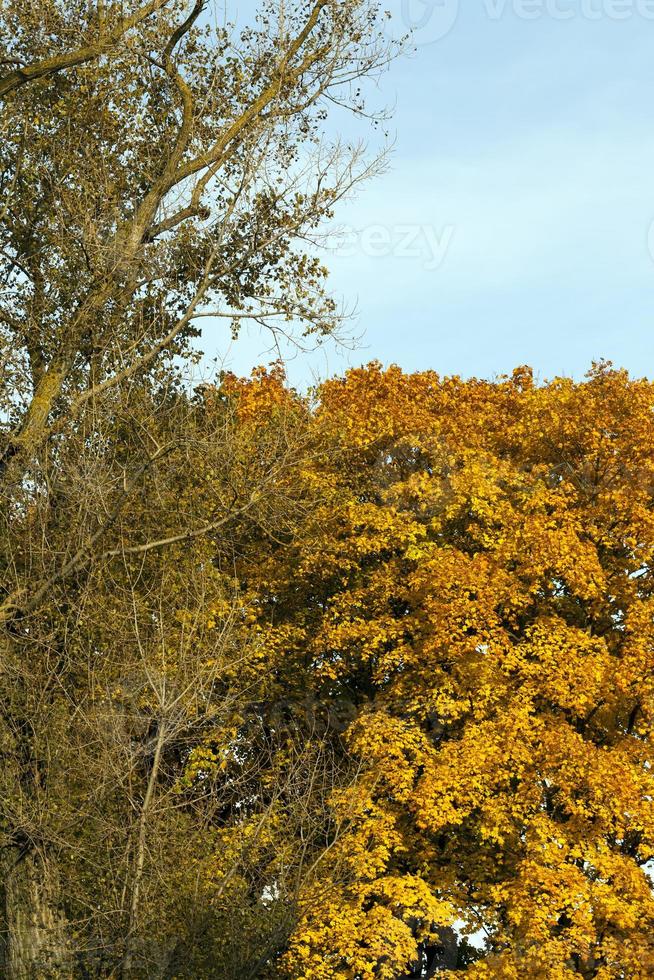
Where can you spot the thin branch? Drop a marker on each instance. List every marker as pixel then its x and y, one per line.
pixel 141 549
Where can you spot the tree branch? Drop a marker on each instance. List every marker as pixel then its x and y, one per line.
pixel 52 66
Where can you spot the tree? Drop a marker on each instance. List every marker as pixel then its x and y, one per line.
pixel 184 180
pixel 155 169
pixel 476 588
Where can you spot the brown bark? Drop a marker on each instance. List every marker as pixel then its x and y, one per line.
pixel 139 863
pixel 71 59
pixel 35 929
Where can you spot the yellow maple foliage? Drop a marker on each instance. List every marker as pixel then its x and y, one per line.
pixel 475 586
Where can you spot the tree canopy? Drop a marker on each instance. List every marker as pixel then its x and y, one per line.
pixel 473 597
pixel 354 684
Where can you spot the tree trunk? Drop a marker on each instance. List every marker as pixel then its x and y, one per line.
pixel 36 942
pixel 139 863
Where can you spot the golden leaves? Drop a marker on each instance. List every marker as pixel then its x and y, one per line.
pixel 477 579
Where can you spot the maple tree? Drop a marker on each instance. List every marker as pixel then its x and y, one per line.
pixel 474 596
pixel 351 686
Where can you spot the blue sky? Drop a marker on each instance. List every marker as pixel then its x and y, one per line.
pixel 513 225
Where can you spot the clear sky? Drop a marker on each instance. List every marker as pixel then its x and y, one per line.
pixel 513 225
